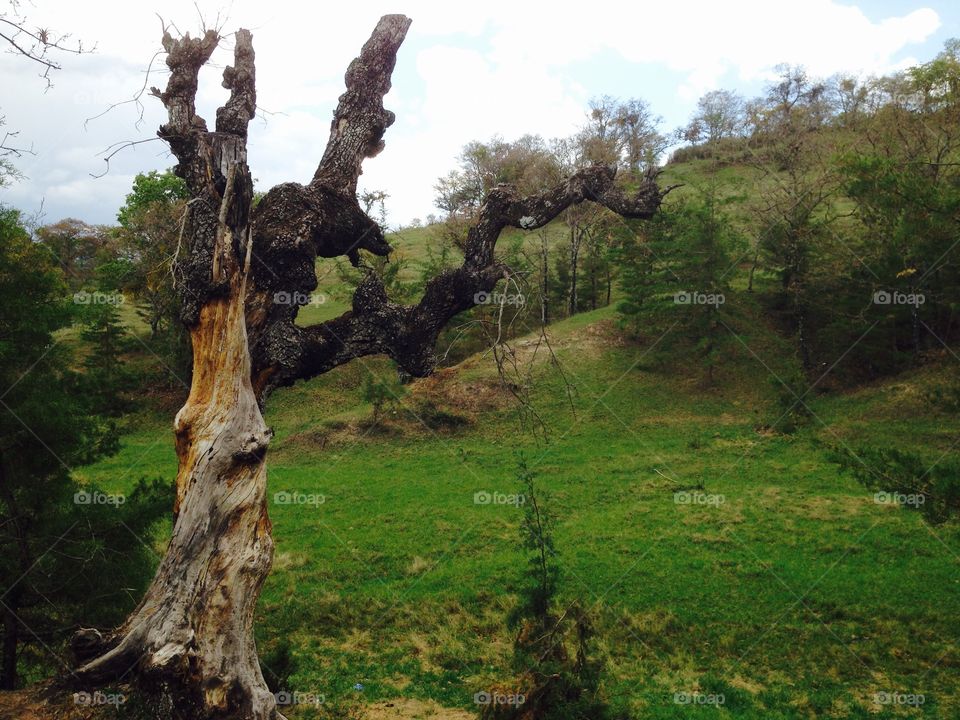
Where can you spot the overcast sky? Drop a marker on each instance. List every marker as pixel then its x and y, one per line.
pixel 466 71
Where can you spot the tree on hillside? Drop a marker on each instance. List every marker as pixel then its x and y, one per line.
pixel 148 239
pixel 238 270
pixel 526 163
pixel 642 141
pixel 796 213
pixel 675 277
pixel 105 376
pixel 622 133
pixel 850 97
pixel 904 181
pixel 600 140
pixel 719 115
pixel 78 247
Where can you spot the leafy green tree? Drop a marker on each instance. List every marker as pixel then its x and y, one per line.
pixel 79 249
pixel 65 558
pixel 905 182
pixel 675 278
pixel 796 211
pixel 148 189
pixel 149 238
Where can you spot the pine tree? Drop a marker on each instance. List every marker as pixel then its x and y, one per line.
pixel 68 555
pixel 106 376
pixel 675 279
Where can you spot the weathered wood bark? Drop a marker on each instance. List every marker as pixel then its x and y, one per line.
pixel 193 632
pixel 191 636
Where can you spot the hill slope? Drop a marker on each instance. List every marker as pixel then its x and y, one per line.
pixel 770 579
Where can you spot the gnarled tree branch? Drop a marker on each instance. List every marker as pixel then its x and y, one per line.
pixel 360 120
pixel 408 333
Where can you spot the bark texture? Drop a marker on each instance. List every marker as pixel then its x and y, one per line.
pixel 237 273
pixel 192 634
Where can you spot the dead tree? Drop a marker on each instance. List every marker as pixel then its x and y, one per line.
pixel 192 634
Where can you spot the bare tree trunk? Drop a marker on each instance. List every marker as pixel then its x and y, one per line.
pixel 574 260
pixel 545 282
pixel 221 548
pixel 753 267
pixel 192 633
pixel 594 291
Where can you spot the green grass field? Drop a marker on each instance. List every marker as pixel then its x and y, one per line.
pixel 785 588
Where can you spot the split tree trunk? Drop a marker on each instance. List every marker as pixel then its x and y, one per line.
pixel 193 631
pixel 192 634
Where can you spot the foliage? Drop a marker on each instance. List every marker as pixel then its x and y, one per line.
pixel 719 115
pixel 78 248
pixel 106 378
pixel 69 558
pixel 674 276
pixel 148 240
pixel 558 678
pixel 149 189
pixel 382 393
pixel 907 479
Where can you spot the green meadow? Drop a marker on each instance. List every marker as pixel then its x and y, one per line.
pixel 718 559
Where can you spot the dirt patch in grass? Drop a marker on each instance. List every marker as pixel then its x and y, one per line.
pixel 833 507
pixel 445 402
pixel 38 703
pixel 414 710
pixel 448 390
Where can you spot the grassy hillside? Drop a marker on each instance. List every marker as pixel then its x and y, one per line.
pixel 787 589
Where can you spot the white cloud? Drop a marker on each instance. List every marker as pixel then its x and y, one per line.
pixel 467 71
